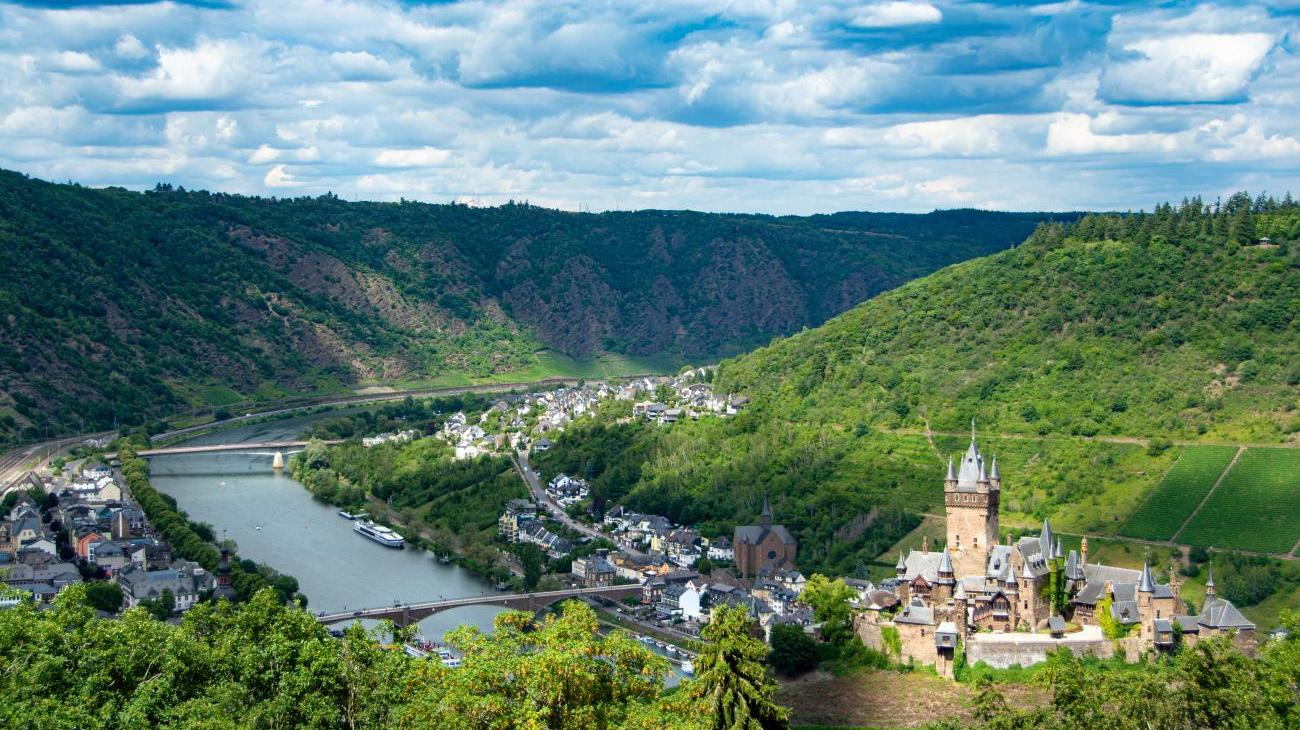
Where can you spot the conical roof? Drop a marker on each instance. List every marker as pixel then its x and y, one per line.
pixel 952 475
pixel 1209 578
pixel 1146 584
pixel 1045 539
pixel 971 470
pixel 994 474
pixel 1056 551
pixel 902 564
pixel 945 563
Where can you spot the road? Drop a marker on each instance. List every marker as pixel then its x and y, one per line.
pixel 370 398
pixel 16 464
pixel 557 512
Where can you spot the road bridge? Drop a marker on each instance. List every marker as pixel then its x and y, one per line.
pixel 212 448
pixel 408 613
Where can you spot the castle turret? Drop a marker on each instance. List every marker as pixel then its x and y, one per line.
pixel 971 508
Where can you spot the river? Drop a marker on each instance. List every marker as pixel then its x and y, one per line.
pixel 275 521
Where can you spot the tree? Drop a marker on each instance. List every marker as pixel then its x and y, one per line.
pixel 530 557
pixel 104 596
pixel 830 601
pixel 731 679
pixel 793 650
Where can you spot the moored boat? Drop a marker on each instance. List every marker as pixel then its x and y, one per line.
pixel 380 534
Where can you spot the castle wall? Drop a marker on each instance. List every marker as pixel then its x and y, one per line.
pixel 1005 650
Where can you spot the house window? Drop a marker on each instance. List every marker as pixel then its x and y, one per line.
pixel 958 542
pixel 1026 605
pixel 976 542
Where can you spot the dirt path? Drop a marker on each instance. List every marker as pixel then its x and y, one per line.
pixel 1136 440
pixel 1240 450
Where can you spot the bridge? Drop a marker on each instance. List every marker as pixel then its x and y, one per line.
pixel 212 448
pixel 409 613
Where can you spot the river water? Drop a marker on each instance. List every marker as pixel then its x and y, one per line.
pixel 275 521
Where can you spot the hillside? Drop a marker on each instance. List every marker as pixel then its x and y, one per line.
pixel 1135 331
pixel 120 306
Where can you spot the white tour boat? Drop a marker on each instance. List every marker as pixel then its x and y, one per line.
pixel 379 534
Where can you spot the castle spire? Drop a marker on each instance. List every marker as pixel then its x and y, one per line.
pixel 952 476
pixel 995 476
pixel 1209 581
pixel 1146 584
pixel 765 519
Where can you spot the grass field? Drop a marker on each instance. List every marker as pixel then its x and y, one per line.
pixel 1256 507
pixel 1178 494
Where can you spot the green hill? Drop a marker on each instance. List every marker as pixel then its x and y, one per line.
pixel 1083 355
pixel 120 306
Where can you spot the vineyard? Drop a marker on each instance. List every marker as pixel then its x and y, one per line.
pixel 1256 507
pixel 1178 494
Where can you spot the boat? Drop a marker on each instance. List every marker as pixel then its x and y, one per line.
pixel 444 559
pixel 379 534
pixel 688 667
pixel 346 515
pixel 449 660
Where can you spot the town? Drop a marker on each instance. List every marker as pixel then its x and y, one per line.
pixel 84 526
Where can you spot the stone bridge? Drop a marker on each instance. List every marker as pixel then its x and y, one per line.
pixel 408 613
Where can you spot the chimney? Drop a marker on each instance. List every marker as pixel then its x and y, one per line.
pixel 1083 551
pixel 925 544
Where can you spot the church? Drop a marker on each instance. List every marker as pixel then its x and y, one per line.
pixel 1003 591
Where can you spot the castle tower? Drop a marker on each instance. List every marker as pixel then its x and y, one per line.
pixel 1146 589
pixel 971 497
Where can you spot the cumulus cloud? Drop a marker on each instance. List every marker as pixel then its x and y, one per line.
pixel 755 105
pixel 895 13
pixel 422 157
pixel 1193 67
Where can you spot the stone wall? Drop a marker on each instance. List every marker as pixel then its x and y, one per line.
pixel 1005 650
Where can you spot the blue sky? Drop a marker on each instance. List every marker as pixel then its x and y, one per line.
pixel 748 105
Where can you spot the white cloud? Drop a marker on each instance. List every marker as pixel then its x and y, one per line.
pixel 211 70
pixel 1073 134
pixel 895 13
pixel 263 155
pixel 421 157
pixel 128 46
pixel 1193 67
pixel 278 177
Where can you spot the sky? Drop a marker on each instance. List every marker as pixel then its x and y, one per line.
pixel 743 105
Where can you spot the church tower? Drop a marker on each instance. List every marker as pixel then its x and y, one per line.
pixel 971 496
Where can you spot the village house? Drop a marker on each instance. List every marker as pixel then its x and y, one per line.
pixel 185 581
pixel 595 570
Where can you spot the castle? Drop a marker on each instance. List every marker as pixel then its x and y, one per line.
pixel 1011 603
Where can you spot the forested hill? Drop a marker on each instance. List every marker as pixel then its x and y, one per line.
pixel 119 305
pixel 1180 323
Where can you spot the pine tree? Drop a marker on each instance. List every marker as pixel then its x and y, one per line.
pixel 731 678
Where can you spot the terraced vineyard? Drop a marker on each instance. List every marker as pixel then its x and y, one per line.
pixel 1178 494
pixel 1256 507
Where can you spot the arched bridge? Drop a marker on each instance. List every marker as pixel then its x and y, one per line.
pixel 409 613
pixel 211 448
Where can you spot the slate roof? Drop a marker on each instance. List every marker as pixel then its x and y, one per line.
pixel 915 613
pixel 754 534
pixel 923 564
pixel 1221 614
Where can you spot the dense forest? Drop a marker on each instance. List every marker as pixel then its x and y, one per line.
pixel 121 306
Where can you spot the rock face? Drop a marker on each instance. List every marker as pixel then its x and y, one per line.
pixel 127 304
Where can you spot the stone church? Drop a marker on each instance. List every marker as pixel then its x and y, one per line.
pixel 979 585
pixel 764 547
